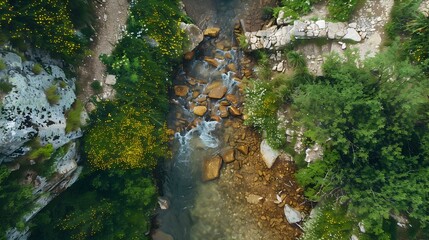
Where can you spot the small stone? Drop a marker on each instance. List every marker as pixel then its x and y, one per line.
pixel 232 67
pixel 228 55
pixel 243 149
pixel 110 79
pixel 181 90
pixel 228 155
pixel 200 110
pixel 218 92
pixel 211 61
pixel 292 215
pixel 234 111
pixel 269 155
pixel 212 32
pixel 353 25
pixel 253 198
pixel 223 111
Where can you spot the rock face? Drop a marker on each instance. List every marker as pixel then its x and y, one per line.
pixel 269 155
pixel 26 112
pixel 211 168
pixel 292 215
pixel 195 36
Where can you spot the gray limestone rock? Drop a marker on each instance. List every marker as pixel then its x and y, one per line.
pixel 352 35
pixel 195 36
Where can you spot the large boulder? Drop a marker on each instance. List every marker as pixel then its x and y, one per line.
pixel 200 110
pixel 211 168
pixel 269 155
pixel 352 35
pixel 195 36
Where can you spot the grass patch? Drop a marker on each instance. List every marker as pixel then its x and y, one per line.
pixel 52 95
pixel 5 87
pixel 2 65
pixel 73 117
pixel 37 69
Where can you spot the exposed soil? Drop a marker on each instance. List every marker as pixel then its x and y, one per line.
pixel 111 18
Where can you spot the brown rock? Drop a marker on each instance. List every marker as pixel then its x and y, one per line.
pixel 228 155
pixel 224 103
pixel 215 118
pixel 181 90
pixel 192 81
pixel 218 92
pixel 232 67
pixel 211 61
pixel 232 99
pixel 234 111
pixel 160 235
pixel 212 32
pixel 228 55
pixel 211 168
pixel 243 149
pixel 200 110
pixel 223 111
pixel 189 55
pixel 195 94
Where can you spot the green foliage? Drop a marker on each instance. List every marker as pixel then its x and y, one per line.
pixel 96 86
pixel 242 42
pixel 52 95
pixel 419 35
pixel 114 204
pixel 2 65
pixel 125 137
pixel 5 87
pixel 372 123
pixel 402 13
pixel 296 60
pixel 45 24
pixel 73 116
pixel 41 153
pixel 15 201
pixel 341 10
pixel 37 69
pixel 331 222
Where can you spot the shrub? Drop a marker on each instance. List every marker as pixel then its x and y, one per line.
pixel 96 87
pixel 51 95
pixel 296 60
pixel 2 65
pixel 341 10
pixel 5 87
pixel 37 69
pixel 41 153
pixel 73 117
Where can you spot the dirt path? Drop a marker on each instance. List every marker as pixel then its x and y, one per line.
pixel 111 19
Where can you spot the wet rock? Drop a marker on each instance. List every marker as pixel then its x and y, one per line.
pixel 292 215
pixel 232 99
pixel 232 67
pixel 254 199
pixel 189 55
pixel 223 111
pixel 195 36
pixel 200 110
pixel 218 92
pixel 228 55
pixel 181 90
pixel 243 149
pixel 228 155
pixel 269 155
pixel 212 32
pixel 215 118
pixel 211 168
pixel 211 61
pixel 234 111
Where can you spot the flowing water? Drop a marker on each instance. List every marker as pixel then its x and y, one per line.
pixel 183 189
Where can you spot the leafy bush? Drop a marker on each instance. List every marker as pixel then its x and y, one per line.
pixel 73 117
pixel 15 201
pixel 37 69
pixel 44 24
pixel 242 42
pixel 96 86
pixel 2 65
pixel 5 87
pixel 51 95
pixel 372 124
pixel 41 153
pixel 341 10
